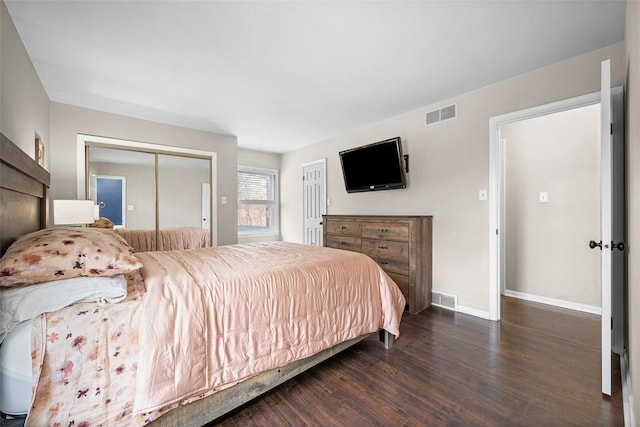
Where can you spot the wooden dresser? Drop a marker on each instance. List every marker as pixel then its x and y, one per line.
pixel 401 245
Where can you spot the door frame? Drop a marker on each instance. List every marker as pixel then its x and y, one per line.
pixel 323 208
pixel 123 186
pixel 497 242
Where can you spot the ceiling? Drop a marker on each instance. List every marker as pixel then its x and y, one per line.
pixel 281 75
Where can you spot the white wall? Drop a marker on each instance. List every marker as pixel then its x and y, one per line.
pixel 67 121
pixel 449 163
pixel 24 104
pixel 632 65
pixel 546 243
pixel 258 159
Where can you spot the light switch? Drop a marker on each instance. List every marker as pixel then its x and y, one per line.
pixel 482 195
pixel 543 197
pixel 223 200
pixel 129 207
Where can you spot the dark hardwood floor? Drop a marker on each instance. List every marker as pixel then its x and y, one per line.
pixel 539 366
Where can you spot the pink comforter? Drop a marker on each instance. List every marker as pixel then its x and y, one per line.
pixel 170 239
pixel 219 315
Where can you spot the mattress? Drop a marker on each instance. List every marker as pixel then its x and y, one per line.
pixel 15 370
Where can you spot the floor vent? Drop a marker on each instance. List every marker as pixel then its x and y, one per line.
pixel 445 113
pixel 440 299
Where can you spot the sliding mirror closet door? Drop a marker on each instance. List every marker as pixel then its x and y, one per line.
pixel 161 200
pixel 123 183
pixel 184 188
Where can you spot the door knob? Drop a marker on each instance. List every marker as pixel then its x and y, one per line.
pixel 619 246
pixel 593 244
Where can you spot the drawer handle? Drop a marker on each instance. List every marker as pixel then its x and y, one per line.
pixel 343 227
pixel 383 262
pixel 383 230
pixel 383 247
pixel 343 242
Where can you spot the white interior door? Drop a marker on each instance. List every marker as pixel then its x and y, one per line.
pixel 619 225
pixel 314 200
pixel 606 206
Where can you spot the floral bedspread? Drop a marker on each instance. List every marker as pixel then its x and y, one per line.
pixel 78 383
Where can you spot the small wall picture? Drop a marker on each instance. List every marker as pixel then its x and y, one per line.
pixel 40 152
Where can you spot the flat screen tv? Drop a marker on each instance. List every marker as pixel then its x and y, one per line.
pixel 377 166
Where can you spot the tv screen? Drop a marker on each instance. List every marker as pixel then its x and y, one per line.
pixel 377 166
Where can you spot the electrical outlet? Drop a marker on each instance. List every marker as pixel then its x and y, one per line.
pixel 482 195
pixel 543 197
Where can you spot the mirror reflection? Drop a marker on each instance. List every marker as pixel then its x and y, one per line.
pixel 123 184
pixel 181 184
pixel 156 201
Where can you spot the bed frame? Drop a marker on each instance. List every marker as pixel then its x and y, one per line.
pixel 24 207
pixel 208 409
pixel 24 194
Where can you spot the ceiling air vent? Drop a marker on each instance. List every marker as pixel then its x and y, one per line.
pixel 445 113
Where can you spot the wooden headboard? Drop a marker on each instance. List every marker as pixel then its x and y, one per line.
pixel 24 194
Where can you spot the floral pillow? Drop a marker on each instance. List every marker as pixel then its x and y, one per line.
pixel 65 252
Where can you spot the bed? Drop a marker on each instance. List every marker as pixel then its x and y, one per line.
pixel 169 239
pixel 139 358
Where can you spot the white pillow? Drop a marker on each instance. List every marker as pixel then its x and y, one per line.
pixel 22 303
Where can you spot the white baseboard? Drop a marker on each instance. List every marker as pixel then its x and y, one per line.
pixel 556 302
pixel 544 300
pixel 627 391
pixel 461 308
pixel 474 312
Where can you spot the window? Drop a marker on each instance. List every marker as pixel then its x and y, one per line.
pixel 257 200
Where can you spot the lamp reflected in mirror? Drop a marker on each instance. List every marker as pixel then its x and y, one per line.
pixel 74 212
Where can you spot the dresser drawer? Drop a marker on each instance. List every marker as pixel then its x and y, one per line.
pixel 349 243
pixel 392 265
pixel 385 230
pixel 386 249
pixel 343 227
pixel 403 283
